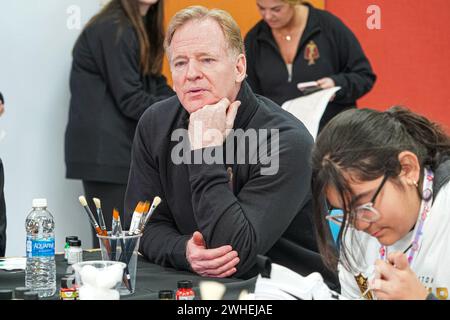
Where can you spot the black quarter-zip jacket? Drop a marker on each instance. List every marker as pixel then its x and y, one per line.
pixel 340 57
pixel 252 212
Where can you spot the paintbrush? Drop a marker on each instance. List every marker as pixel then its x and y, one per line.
pixel 117 232
pixel 116 224
pixel 95 225
pixel 144 214
pixel 155 204
pixel 91 217
pixel 101 220
pixel 137 216
pixel 127 254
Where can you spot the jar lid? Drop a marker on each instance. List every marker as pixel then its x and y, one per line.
pixel 30 295
pixel 6 294
pixel 166 294
pixel 67 282
pixel 71 238
pixel 185 284
pixel 19 291
pixel 74 243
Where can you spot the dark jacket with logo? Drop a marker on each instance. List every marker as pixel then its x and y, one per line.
pixel 109 94
pixel 340 57
pixel 232 203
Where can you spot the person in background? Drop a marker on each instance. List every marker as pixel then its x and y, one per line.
pixel 2 104
pixel 295 42
pixel 115 77
pixel 216 217
pixel 389 172
pixel 2 195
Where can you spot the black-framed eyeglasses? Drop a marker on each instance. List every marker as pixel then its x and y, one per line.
pixel 365 212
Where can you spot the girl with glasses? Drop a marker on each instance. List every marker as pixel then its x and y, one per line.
pixel 388 172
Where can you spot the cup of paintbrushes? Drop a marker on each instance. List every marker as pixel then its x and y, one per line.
pixel 124 248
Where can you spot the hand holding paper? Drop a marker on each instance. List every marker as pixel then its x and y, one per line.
pixel 309 109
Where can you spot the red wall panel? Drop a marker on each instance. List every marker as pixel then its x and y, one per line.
pixel 410 53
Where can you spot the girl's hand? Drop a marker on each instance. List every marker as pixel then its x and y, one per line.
pixel 397 280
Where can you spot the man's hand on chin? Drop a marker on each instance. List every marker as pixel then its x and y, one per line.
pixel 210 125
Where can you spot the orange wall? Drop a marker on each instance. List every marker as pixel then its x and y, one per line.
pixel 410 54
pixel 243 11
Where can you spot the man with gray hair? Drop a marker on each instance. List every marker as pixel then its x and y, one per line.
pixel 231 167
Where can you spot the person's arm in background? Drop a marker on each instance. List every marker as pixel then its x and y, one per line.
pixel 118 61
pixel 356 77
pixel 2 102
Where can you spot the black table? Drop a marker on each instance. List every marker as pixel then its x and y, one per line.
pixel 150 279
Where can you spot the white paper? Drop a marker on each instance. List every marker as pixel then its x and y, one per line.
pixel 13 264
pixel 309 109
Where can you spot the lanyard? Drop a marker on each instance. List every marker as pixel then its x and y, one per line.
pixel 425 207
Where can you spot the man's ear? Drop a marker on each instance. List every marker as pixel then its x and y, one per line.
pixel 410 166
pixel 241 68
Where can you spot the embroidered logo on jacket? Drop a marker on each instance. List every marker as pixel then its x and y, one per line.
pixel 312 53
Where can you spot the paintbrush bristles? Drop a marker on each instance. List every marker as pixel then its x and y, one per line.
pixel 115 214
pixel 83 201
pixel 156 201
pixel 98 203
pixel 140 207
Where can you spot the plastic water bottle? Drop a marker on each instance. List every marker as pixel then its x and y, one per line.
pixel 40 272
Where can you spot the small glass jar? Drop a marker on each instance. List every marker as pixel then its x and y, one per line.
pixel 30 295
pixel 75 252
pixel 185 291
pixel 66 246
pixel 166 295
pixel 68 290
pixel 19 292
pixel 6 294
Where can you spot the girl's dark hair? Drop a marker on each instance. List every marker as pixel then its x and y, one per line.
pixel 150 31
pixel 366 143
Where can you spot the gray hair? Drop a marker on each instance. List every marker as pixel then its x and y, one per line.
pixel 226 22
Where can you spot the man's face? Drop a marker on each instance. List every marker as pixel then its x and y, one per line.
pixel 203 69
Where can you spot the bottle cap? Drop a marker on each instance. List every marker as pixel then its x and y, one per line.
pixel 185 284
pixel 19 291
pixel 71 238
pixel 166 294
pixel 40 203
pixel 30 295
pixel 6 294
pixel 74 243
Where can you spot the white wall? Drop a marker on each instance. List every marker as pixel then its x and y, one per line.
pixel 36 39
